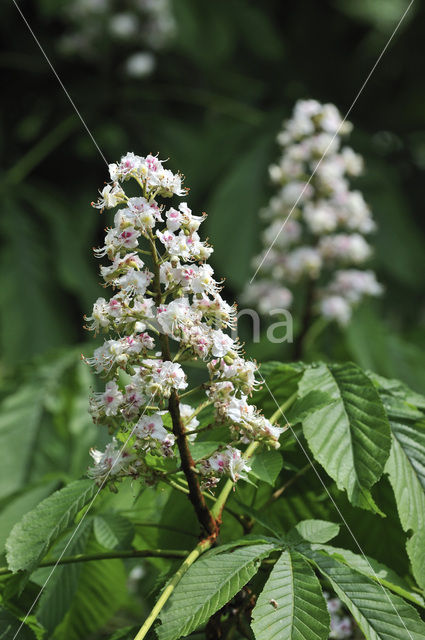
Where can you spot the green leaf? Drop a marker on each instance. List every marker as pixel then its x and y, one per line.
pixel 315 530
pixel 10 626
pixel 203 449
pixel 416 551
pixel 20 416
pixel 406 471
pixel 349 437
pixel 19 506
pixel 60 589
pixel 240 184
pixel 282 380
pixel 291 605
pixel 380 614
pixel 396 388
pixel 266 466
pixel 374 570
pixel 31 538
pixel 208 585
pixel 101 592
pixel 30 268
pixel 248 540
pixel 113 530
pixel 303 407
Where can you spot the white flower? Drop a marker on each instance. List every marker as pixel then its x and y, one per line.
pixel 111 195
pixel 238 466
pixel 110 462
pixel 100 315
pixel 320 217
pixel 303 261
pixel 134 282
pixel 123 25
pixel 353 284
pixel 221 343
pixel 345 248
pixel 176 316
pixel 106 403
pixel 140 64
pixel 282 234
pixel 229 462
pixel 267 296
pixel 153 427
pixel 336 308
pixel 186 412
pixel 238 410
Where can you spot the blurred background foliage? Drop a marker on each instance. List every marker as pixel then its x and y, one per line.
pixel 221 86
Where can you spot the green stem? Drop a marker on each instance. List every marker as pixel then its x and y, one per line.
pixel 110 555
pixel 283 407
pixel 198 410
pixel 287 484
pixel 203 546
pixel 188 393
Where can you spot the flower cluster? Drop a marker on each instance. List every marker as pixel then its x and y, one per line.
pixel 316 224
pixel 137 26
pixel 164 311
pixel 342 626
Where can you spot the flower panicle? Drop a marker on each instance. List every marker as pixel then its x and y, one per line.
pixel 316 224
pixel 168 298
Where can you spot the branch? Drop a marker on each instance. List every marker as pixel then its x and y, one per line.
pixel 203 513
pixel 109 555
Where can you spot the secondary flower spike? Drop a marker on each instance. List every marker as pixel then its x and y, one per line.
pixel 164 311
pixel 316 229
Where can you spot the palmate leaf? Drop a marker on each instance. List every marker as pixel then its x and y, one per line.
pixel 406 471
pixel 350 437
pixel 380 614
pixel 32 536
pixel 291 605
pixel 208 585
